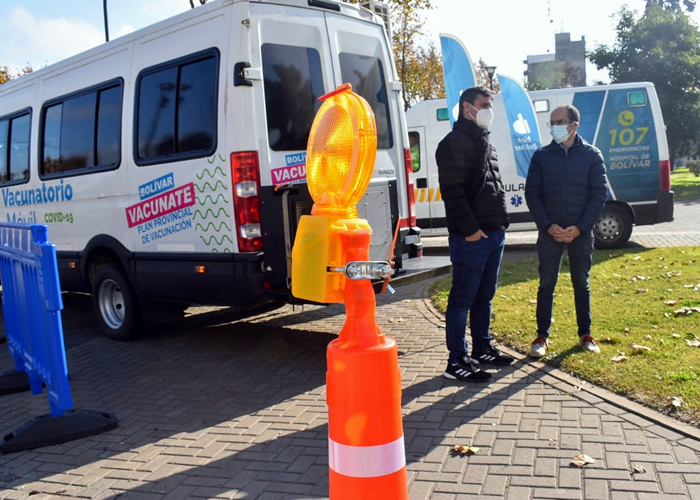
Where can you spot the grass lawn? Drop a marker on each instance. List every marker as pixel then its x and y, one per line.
pixel 685 185
pixel 642 303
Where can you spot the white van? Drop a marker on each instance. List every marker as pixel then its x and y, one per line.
pixel 623 120
pixel 169 164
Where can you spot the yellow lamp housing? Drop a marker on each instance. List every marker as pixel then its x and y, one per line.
pixel 340 159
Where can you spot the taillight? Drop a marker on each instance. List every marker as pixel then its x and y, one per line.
pixel 409 186
pixel 245 170
pixel 665 175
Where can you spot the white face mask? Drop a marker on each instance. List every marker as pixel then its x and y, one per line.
pixel 560 133
pixel 484 117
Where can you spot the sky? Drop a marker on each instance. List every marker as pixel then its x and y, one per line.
pixel 502 32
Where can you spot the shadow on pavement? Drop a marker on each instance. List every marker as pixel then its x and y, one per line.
pixel 226 390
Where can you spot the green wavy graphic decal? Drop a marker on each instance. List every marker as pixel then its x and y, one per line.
pixel 212 175
pixel 218 241
pixel 210 213
pixel 211 224
pixel 209 198
pixel 207 186
pixel 214 207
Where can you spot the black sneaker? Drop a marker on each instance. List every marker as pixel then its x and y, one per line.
pixel 492 356
pixel 466 370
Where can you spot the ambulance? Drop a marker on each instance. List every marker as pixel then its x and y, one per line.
pixel 169 164
pixel 624 121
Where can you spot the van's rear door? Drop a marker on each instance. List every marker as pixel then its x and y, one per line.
pixel 299 53
pixel 361 57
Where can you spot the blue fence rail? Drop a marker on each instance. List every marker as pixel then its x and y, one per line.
pixel 31 304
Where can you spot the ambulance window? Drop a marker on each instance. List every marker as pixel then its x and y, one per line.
pixel 442 115
pixel 366 74
pixel 414 141
pixel 293 83
pixel 176 109
pixel 637 99
pixel 81 132
pixel 14 149
pixel 541 106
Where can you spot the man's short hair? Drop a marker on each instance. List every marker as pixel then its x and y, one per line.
pixel 471 94
pixel 572 113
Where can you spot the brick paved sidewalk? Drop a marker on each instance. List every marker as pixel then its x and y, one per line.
pixel 215 407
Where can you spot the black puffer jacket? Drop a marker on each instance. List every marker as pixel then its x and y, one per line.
pixel 470 182
pixel 567 187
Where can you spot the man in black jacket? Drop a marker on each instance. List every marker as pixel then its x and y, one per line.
pixel 565 191
pixel 475 208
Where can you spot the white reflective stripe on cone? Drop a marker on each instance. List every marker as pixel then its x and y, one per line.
pixel 366 461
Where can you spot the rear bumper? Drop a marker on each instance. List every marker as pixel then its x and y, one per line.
pixel 654 212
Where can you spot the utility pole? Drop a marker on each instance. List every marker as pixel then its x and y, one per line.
pixel 104 9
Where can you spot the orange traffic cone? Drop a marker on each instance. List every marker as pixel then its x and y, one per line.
pixel 367 459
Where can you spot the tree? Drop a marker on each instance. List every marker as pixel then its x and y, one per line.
pixel 418 61
pixel 674 5
pixel 6 74
pixel 663 47
pixel 482 76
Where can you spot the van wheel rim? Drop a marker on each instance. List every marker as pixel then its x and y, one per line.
pixel 609 227
pixel 111 302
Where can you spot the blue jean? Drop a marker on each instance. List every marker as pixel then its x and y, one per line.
pixel 474 280
pixel 550 252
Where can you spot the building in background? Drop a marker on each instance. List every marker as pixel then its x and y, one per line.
pixel 565 68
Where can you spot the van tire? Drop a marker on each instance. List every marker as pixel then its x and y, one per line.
pixel 116 305
pixel 614 227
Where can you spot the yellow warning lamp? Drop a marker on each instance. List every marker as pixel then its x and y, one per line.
pixel 339 164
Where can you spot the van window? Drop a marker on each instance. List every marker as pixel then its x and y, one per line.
pixel 366 75
pixel 414 141
pixel 293 82
pixel 541 106
pixel 14 148
pixel 82 131
pixel 176 109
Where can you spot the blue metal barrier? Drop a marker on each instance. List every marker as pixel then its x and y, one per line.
pixel 32 308
pixel 32 311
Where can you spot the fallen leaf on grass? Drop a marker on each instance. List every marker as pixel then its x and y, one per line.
pixel 676 401
pixel 642 290
pixel 465 450
pixel 686 311
pixel 638 469
pixel 671 302
pixel 533 301
pixel 614 254
pixel 693 343
pixel 637 347
pixel 619 357
pixel 676 335
pixel 581 460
